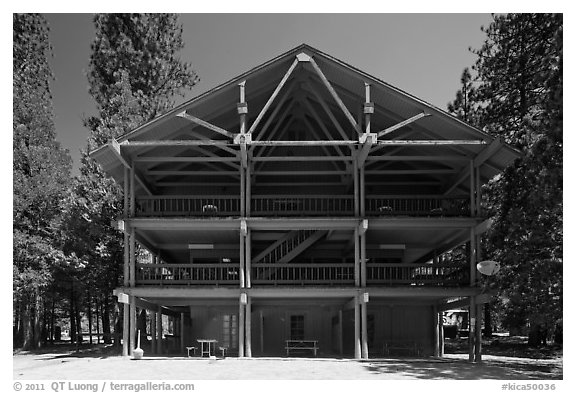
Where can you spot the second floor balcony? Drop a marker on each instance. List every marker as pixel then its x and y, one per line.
pixel 331 274
pixel 302 206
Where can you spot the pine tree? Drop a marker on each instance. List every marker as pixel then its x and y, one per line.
pixel 134 75
pixel 41 172
pixel 518 96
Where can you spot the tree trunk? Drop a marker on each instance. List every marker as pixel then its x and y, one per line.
pixel 97 309
pixel 118 326
pixel 487 320
pixel 72 318
pixel 106 321
pixel 89 308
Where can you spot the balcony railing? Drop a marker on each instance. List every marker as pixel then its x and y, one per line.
pixel 179 274
pixel 306 205
pixel 417 206
pixel 302 206
pixel 301 274
pixel 416 274
pixel 203 206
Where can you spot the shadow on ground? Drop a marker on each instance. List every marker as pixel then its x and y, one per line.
pixel 460 369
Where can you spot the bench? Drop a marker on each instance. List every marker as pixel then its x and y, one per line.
pixel 403 347
pixel 191 348
pixel 298 345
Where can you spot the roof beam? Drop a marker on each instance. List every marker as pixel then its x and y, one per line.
pixel 205 124
pixel 402 124
pixel 366 140
pixel 426 142
pixel 335 95
pixel 418 158
pixel 275 111
pixel 273 96
pixel 488 152
pixel 186 159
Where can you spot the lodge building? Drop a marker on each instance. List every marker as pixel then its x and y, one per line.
pixel 303 200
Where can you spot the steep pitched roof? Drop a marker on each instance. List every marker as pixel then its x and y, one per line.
pixel 311 107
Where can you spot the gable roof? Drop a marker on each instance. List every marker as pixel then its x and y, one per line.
pixel 310 107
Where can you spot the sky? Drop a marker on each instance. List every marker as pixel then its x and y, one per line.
pixel 422 54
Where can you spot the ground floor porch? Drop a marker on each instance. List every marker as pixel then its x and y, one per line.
pixel 359 323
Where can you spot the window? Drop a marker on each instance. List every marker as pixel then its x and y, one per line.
pixel 297 327
pixel 230 331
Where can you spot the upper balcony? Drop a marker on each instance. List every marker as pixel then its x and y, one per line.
pixel 301 206
pixel 333 274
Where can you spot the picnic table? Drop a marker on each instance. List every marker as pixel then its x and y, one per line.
pixel 206 345
pixel 297 345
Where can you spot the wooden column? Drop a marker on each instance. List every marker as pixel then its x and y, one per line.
pixel 472 193
pixel 261 313
pixel 126 306
pixel 364 326
pixel 159 331
pixel 182 348
pixel 248 326
pixel 248 258
pixel 340 333
pixel 478 192
pixel 436 331
pixel 478 346
pixel 356 185
pixel 441 318
pixel 472 257
pixel 362 193
pixel 472 329
pixel 242 192
pixel 357 344
pixel 248 189
pixel 241 325
pixel 243 232
pixel 356 258
pixel 154 347
pixel 132 325
pixel 363 260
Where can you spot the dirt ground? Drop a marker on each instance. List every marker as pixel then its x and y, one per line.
pixel 100 366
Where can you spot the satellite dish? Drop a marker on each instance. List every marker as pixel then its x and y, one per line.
pixel 488 268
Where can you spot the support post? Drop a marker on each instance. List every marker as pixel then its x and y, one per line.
pixel 243 232
pixel 357 345
pixel 356 258
pixel 241 325
pixel 362 192
pixel 248 326
pixel 472 193
pixel 436 331
pixel 126 306
pixel 242 192
pixel 248 258
pixel 182 349
pixel 364 324
pixel 248 189
pixel 472 257
pixel 132 325
pixel 340 333
pixel 478 347
pixel 472 329
pixel 478 192
pixel 159 331
pixel 441 332
pixel 154 343
pixel 356 186
pixel 363 260
pixel 261 313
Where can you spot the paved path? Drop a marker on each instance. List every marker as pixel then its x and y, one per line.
pixel 452 367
